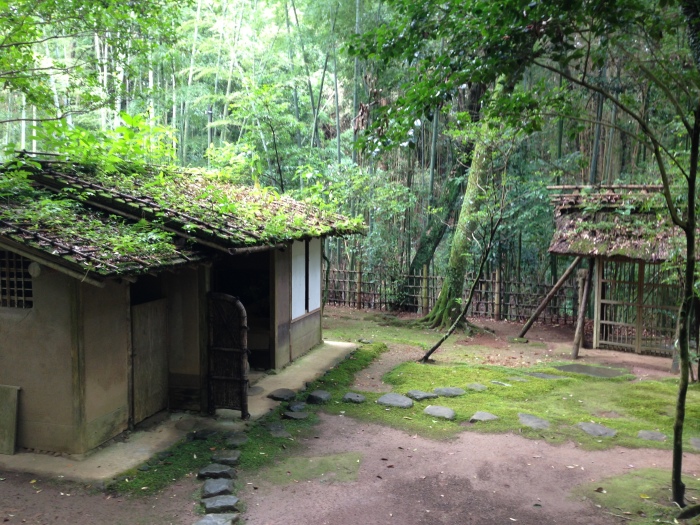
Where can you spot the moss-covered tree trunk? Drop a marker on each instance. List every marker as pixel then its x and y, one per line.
pixel 447 308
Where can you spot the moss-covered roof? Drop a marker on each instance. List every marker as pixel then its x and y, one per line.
pixel 629 222
pixel 132 219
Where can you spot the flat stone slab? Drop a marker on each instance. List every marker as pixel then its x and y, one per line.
pixel 482 416
pixel 282 394
pixel 542 375
pixel 695 443
pixel 449 391
pixel 593 371
pixel 596 430
pixel 219 519
pixel 441 412
pixel 651 435
pixel 277 430
pixel 533 421
pixel 255 390
pixel 500 383
pixel 236 439
pixel 217 487
pixel 352 397
pixel 227 457
pixel 419 395
pixel 296 416
pixel 395 400
pixel 517 379
pixel 319 397
pixel 297 406
pixel 219 504
pixel 204 434
pixel 477 387
pixel 215 471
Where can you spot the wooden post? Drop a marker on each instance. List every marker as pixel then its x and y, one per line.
pixel 580 323
pixel 424 291
pixel 549 296
pixel 497 295
pixel 639 328
pixel 358 301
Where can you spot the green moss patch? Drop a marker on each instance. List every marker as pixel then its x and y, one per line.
pixel 336 467
pixel 639 497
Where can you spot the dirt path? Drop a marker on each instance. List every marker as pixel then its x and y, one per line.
pixel 474 479
pixel 38 501
pixel 401 479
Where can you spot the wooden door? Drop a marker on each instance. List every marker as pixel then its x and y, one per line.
pixel 150 361
pixel 228 354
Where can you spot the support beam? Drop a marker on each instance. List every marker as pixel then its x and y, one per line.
pixel 549 296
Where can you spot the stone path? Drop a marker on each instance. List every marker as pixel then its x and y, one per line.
pixel 221 504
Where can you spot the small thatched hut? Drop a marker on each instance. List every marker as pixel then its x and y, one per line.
pixel 628 231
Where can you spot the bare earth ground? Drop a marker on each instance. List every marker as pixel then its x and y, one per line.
pixel 402 479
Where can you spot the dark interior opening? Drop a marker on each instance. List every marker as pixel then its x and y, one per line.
pixel 248 278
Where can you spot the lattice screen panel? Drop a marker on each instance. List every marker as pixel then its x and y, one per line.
pixel 15 281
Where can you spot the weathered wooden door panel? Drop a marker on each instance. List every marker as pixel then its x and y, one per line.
pixel 228 354
pixel 150 364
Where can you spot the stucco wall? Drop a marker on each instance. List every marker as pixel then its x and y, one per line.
pixel 36 354
pixel 305 333
pixel 282 306
pixel 106 341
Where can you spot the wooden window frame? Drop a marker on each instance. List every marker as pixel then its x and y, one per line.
pixel 16 290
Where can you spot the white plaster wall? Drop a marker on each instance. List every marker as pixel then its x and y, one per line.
pixel 315 274
pixel 298 279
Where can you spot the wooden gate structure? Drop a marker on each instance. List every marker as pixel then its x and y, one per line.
pixel 626 229
pixel 228 354
pixel 636 307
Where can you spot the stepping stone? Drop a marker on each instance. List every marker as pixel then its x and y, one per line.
pixel 318 397
pixel 227 457
pixel 219 519
pixel 477 387
pixel 695 443
pixel 593 371
pixel 296 416
pixel 482 416
pixel 217 487
pixel 533 421
pixel 236 439
pixel 219 504
pixel 517 379
pixel 277 430
pixel 144 468
pixel 596 430
pixel 282 394
pixel 419 395
pixel 651 435
pixel 204 434
pixel 449 391
pixel 215 471
pixel 542 375
pixel 164 455
pixel 365 341
pixel 297 406
pixel 438 411
pixel 395 400
pixel 500 383
pixel 352 397
pixel 255 390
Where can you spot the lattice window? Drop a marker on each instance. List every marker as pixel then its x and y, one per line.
pixel 15 281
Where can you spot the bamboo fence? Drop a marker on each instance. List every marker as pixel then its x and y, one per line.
pixel 494 298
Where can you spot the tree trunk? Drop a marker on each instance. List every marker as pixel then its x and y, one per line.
pixel 447 307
